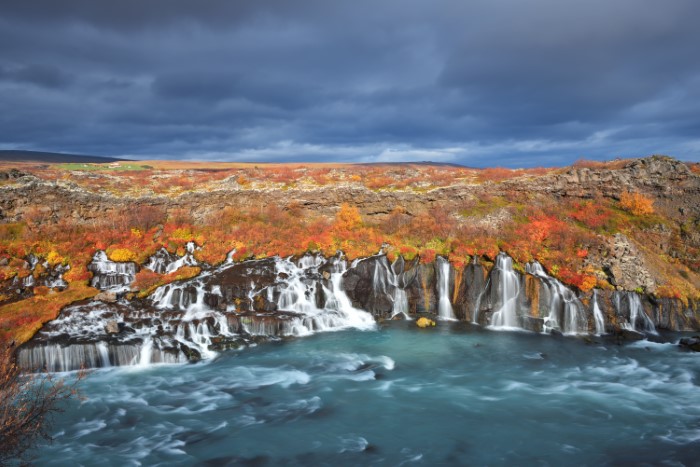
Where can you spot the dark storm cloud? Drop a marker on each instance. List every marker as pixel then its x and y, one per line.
pixel 40 75
pixel 479 82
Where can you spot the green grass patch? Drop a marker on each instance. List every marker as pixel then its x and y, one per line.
pixel 104 167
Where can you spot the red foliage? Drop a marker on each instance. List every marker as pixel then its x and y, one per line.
pixel 427 256
pixel 496 174
pixel 593 214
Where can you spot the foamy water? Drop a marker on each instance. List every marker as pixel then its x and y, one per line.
pixel 450 395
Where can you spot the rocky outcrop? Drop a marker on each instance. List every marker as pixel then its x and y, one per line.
pixel 238 304
pixel 690 343
pixel 625 266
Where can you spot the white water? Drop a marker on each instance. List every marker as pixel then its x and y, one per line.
pixel 386 281
pixel 52 277
pixel 637 315
pixel 296 294
pixel 190 318
pixel 337 300
pixel 400 303
pixel 564 304
pixel 598 316
pixel 111 275
pixel 507 316
pixel 163 262
pixel 445 311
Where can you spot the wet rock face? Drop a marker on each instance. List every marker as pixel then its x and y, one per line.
pixel 369 287
pixel 690 343
pixel 240 303
pixel 470 291
pixel 421 292
pixel 224 307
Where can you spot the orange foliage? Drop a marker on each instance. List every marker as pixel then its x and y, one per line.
pixel 588 164
pixel 375 183
pixel 347 218
pixel 496 174
pixel 636 203
pixel 427 255
pixel 20 320
pixel 147 281
pixel 559 235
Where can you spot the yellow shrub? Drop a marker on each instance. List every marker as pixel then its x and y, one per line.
pixel 636 203
pixel 53 258
pixel 122 254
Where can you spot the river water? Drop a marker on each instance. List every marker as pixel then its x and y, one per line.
pixel 449 395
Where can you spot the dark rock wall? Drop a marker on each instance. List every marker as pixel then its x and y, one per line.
pixel 476 292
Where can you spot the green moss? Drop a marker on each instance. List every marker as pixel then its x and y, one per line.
pixel 103 167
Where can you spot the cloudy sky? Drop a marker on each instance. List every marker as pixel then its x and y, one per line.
pixel 482 83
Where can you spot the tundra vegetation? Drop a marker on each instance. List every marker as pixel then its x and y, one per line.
pixel 567 234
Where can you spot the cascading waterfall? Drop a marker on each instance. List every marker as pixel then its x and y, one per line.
pixel 443 285
pixel 186 320
pixel 51 277
pixel 386 281
pixel 400 303
pixel 507 316
pixel 111 275
pixel 164 262
pixel 230 305
pixel 598 315
pixel 338 301
pixel 638 321
pixel 564 304
pixel 298 292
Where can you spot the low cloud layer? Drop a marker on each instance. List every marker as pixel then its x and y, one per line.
pixel 508 83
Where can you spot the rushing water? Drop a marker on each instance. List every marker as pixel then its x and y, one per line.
pixel 455 394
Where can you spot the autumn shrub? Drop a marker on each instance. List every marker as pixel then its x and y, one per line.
pixel 27 406
pixel 378 182
pixel 146 279
pixel 594 215
pixel 121 255
pixel 77 273
pixel 348 218
pixel 496 174
pixel 636 203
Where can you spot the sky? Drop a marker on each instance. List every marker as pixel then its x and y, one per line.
pixel 510 83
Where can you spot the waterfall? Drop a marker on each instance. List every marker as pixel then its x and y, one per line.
pixel 400 303
pixel 386 281
pixel 298 293
pixel 111 275
pixel 507 316
pixel 566 312
pixel 337 300
pixel 146 352
pixel 477 305
pixel 598 315
pixel 638 321
pixel 445 311
pixel 164 262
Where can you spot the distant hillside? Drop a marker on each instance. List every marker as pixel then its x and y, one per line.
pixel 424 163
pixel 52 157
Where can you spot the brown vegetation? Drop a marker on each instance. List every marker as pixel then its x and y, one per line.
pixel 27 404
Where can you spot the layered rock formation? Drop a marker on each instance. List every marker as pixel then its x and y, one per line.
pixel 239 303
